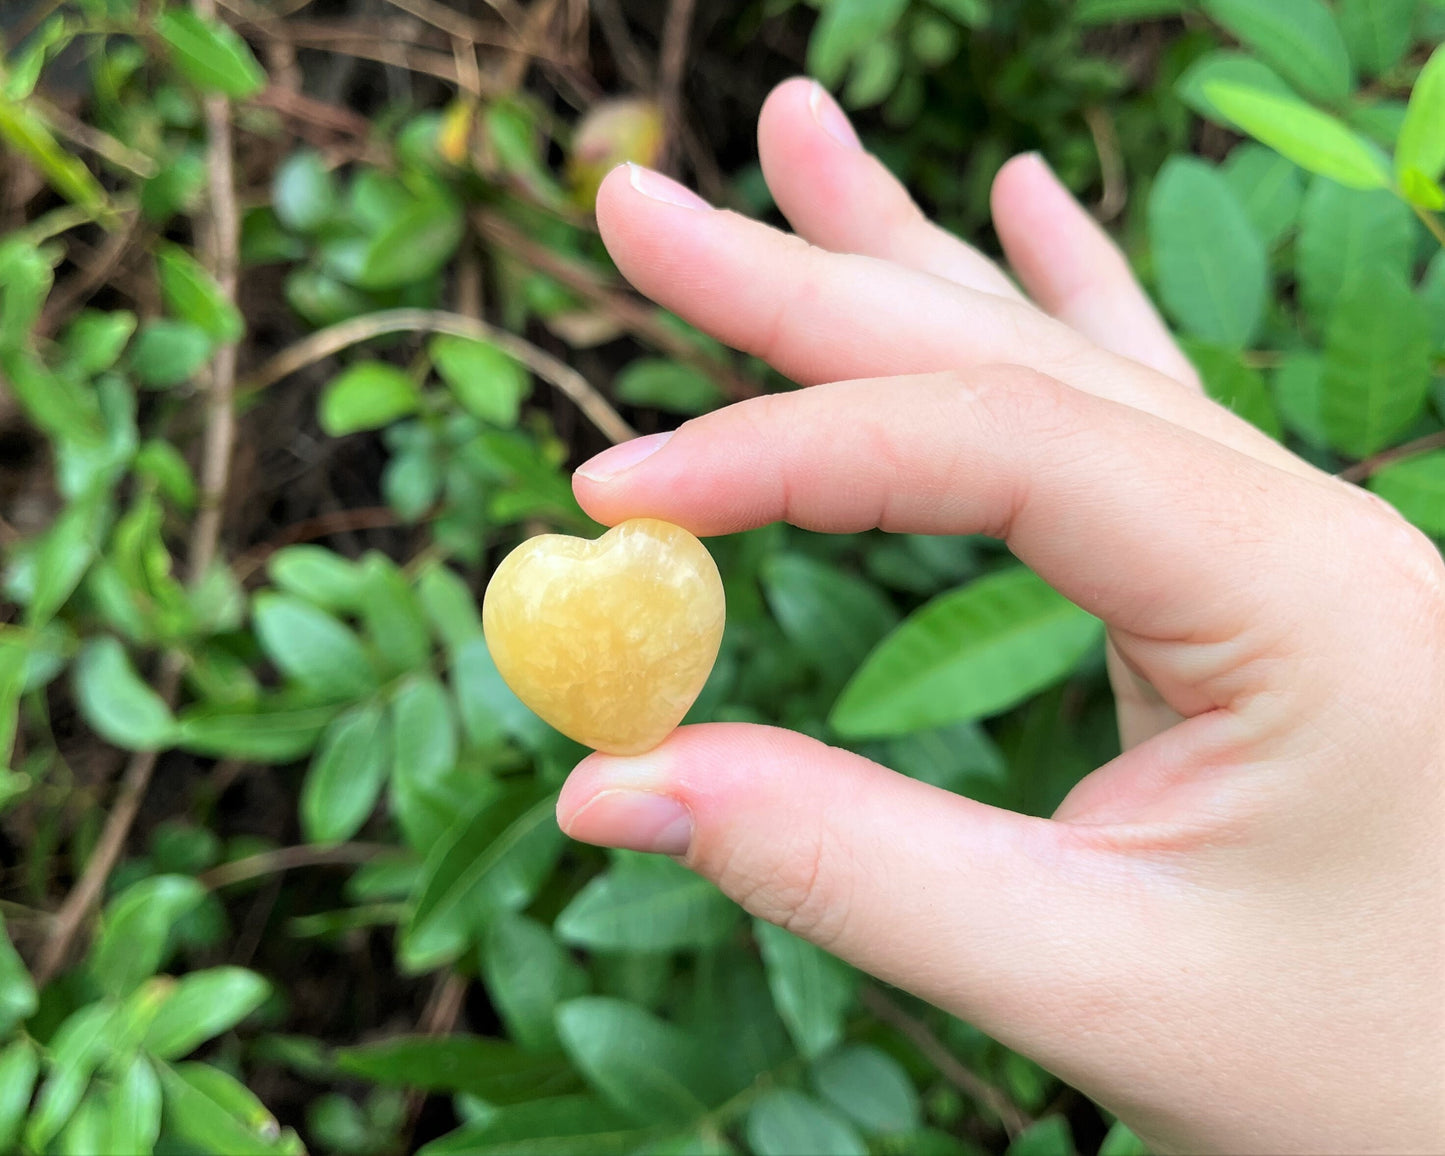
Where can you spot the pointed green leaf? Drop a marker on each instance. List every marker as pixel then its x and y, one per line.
pixel 1422 141
pixel 1377 32
pixel 834 618
pixel 205 1113
pixel 786 1123
pixel 490 709
pixel 1050 1136
pixel 313 648
pixel 76 1050
pixel 137 930
pixel 1269 187
pixel 168 353
pixel 528 975
pixel 489 384
pixel 18 999
pixel 1209 260
pixel 19 1067
pixel 1377 363
pixel 450 606
pixel 271 732
pixel 1235 385
pixel 968 654
pixel 201 1006
pixel 871 1088
pixel 318 575
pixel 413 245
pixel 22 129
pixel 368 395
pixel 133 1110
pixel 812 990
pixel 1122 1142
pixel 1225 66
pixel 115 702
pixel 494 1070
pixel 1299 38
pixel 94 340
pixel 1312 139
pixel 209 54
pixel 649 1069
pixel 393 617
pixel 669 385
pixel 1345 233
pixel 192 294
pixel 303 192
pixel 645 903
pixel 346 775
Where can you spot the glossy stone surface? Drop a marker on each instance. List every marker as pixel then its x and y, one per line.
pixel 609 640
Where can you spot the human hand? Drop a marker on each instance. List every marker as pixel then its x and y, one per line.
pixel 1233 935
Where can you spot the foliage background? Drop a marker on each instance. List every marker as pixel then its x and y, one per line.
pixel 303 322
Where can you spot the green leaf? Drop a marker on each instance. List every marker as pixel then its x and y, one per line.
pixel 1416 487
pixel 492 1069
pixel 116 704
pixel 489 862
pixel 651 1070
pixel 490 384
pixel 871 1088
pixel 313 648
pixel 19 1067
pixel 968 654
pixel 303 192
pixel 646 903
pixel 1420 190
pixel 365 396
pixel 1299 38
pixel 1269 187
pixel 1422 145
pixel 209 54
pixel 560 1126
pixel 1432 292
pixel 393 616
pixel 137 930
pixel 76 1050
pixel 1122 1142
pixel 346 775
pixel 669 385
pixel 1121 11
pixel 1345 234
pixel 1047 1137
pixel 1225 66
pixel 449 605
pixel 413 245
pixel 64 553
pixel 1377 363
pixel 160 462
pixel 845 28
pixel 1210 262
pixel 1312 139
pixel 786 1123
pixel 528 975
pixel 168 353
pixel 94 340
pixel 490 710
pixel 18 1000
pixel 23 130
pixel 192 294
pixel 1235 385
pixel 85 1134
pixel 271 732
pixel 132 1116
pixel 201 1006
pixel 1377 32
pixel 812 990
pixel 834 618
pixel 318 575
pixel 424 745
pixel 202 1112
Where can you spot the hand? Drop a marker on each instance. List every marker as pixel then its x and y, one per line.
pixel 1233 935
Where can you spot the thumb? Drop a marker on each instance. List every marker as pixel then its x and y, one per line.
pixel 1030 928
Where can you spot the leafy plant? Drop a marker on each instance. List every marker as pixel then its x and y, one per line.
pixel 290 374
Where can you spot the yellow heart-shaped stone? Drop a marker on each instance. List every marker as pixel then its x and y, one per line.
pixel 609 640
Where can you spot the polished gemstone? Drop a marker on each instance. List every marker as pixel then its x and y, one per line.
pixel 609 640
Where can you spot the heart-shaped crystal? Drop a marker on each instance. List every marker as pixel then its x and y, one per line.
pixel 609 640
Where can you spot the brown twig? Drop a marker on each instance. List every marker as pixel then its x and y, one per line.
pixel 219 443
pixel 1013 1118
pixel 1363 470
pixel 1115 193
pixel 628 311
pixel 325 342
pixel 287 859
pixel 670 68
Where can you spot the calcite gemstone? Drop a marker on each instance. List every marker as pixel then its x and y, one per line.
pixel 609 640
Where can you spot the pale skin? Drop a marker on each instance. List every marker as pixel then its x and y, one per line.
pixel 1233 935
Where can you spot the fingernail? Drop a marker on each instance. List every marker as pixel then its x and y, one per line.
pixel 609 463
pixel 660 188
pixel 633 820
pixel 832 119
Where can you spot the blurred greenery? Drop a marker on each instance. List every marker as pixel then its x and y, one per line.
pixel 297 307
